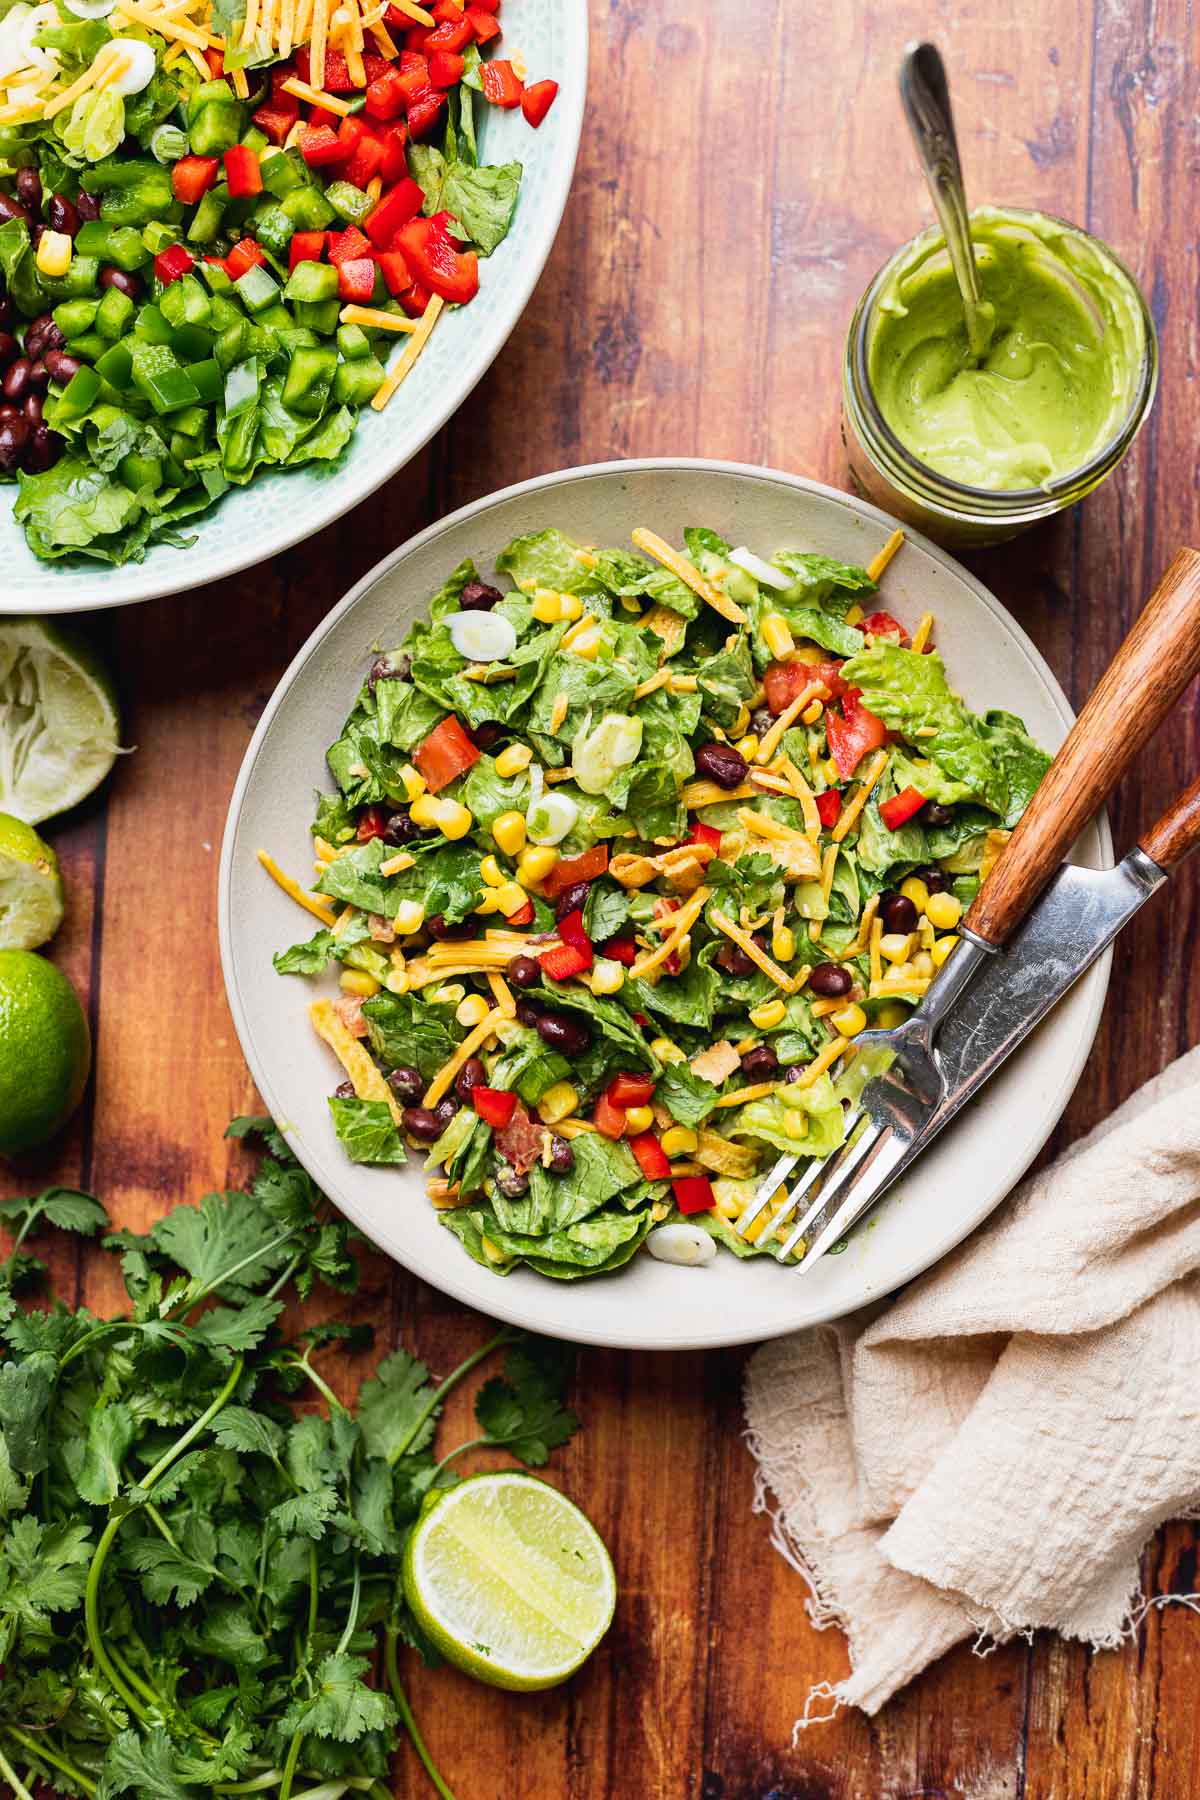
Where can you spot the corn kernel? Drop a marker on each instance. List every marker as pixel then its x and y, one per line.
pixel 511 897
pixel 587 644
pixel 914 889
pixel 357 981
pixel 454 820
pixel 558 1102
pixel 776 635
pixel 854 614
pixel 54 253
pixel 942 949
pixel 492 873
pixel 895 945
pixel 570 606
pixel 488 901
pixel 783 944
pixel 742 723
pixel 757 1226
pixel 850 1021
pixel 547 607
pixel 770 1013
pixel 943 911
pixel 832 773
pixel 448 994
pixel 748 746
pixel 424 810
pixel 891 1015
pixel 666 1051
pixel 473 1010
pixel 511 761
pixel 397 982
pixel 413 781
pixel 509 829
pixel 795 1124
pixel 608 976
pixel 535 864
pixel 638 1119
pixel 677 1140
pixel 922 965
pixel 492 1251
pixel 410 916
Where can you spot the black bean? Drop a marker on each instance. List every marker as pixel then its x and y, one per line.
pixel 936 815
pixel 62 216
pixel 385 669
pixel 45 448
pixel 406 1083
pixel 87 205
pixel 39 376
pixel 761 721
pixel 401 828
pixel 9 349
pixel 511 1182
pixel 572 899
pixel 123 280
pixel 484 736
pixel 795 1072
pixel 14 441
pixel 28 184
pixel 34 408
pixel 438 926
pixel 529 1012
pixel 523 971
pixel 760 1063
pixel 17 383
pixel 469 1077
pixel 421 1124
pixel 898 913
pixel 37 232
pixel 733 959
pixel 344 1090
pixel 61 365
pixel 10 412
pixel 562 1157
pixel 42 334
pixel 721 763
pixel 477 596
pixel 934 879
pixel 571 1036
pixel 12 209
pixel 830 980
pixel 445 1110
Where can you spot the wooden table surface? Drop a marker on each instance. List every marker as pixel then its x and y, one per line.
pixel 744 171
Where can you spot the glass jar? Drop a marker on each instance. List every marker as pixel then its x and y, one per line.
pixel 886 471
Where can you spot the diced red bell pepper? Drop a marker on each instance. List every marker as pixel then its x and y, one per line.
pixel 640 1019
pixel 570 930
pixel 173 262
pixel 447 752
pixel 783 681
pixel 705 834
pixel 374 65
pixel 435 259
pixel 414 37
pixel 320 146
pixel 413 74
pixel 495 1106
pixel 216 64
pixel 351 131
pixel 446 12
pixel 364 164
pixel 192 176
pixel 243 256
pixel 281 100
pixel 693 1193
pixel 423 114
pixel 242 172
pixel 564 960
pixel 651 1157
pixel 487 6
pixel 901 808
pixel 452 36
pixel 537 100
pixel 829 806
pixel 415 299
pixel 446 68
pixel 883 625
pixel 395 20
pixel 305 246
pixel 396 208
pixel 385 96
pixel 852 732
pixel 630 1090
pixel 275 123
pixel 356 281
pixel 395 271
pixel 522 916
pixel 337 75
pixel 483 24
pixel 394 166
pixel 320 115
pixel 584 867
pixel 620 949
pixel 371 824
pixel 608 1119
pixel 348 245
pixel 501 83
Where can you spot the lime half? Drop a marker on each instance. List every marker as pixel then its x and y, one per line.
pixel 31 890
pixel 509 1580
pixel 59 730
pixel 45 1050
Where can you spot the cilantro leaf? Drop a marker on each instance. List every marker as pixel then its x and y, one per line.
pixel 225 1244
pixel 25 1393
pixel 306 1515
pixel 524 1410
pixel 342 1705
pixel 393 1407
pixel 97 1469
pixel 146 1766
pixel 167 1572
pixel 43 1568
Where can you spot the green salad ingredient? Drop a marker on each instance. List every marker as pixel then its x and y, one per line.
pixel 59 726
pixel 31 890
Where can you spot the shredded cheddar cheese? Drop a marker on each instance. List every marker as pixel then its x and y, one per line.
pixel 303 91
pixel 882 558
pixel 745 942
pixel 313 903
pixel 412 350
pixel 851 810
pixel 652 545
pixel 473 1041
pixel 681 923
pixel 921 634
pixel 769 743
pixel 823 1060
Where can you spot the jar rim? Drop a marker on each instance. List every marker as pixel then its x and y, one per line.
pixel 931 484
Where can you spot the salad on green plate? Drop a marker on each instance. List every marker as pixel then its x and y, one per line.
pixel 617 866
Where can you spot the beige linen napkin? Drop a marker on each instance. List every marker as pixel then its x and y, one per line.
pixel 990 1452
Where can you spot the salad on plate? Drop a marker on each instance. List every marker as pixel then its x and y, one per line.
pixel 226 227
pixel 625 850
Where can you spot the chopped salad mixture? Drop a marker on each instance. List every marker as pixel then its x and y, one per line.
pixel 217 217
pixel 619 864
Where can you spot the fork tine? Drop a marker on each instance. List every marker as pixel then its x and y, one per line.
pixel 811 1175
pixel 841 1169
pixel 856 1197
pixel 766 1188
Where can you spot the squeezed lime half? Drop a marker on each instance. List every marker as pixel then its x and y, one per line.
pixel 31 890
pixel 59 726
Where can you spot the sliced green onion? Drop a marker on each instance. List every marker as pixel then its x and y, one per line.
pixel 168 143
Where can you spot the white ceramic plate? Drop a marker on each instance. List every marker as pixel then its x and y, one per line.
pixel 648 1304
pixel 249 525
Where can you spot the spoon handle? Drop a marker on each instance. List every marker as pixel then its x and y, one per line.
pixel 925 94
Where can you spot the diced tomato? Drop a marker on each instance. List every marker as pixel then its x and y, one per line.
pixel 348 245
pixel 620 949
pixel 564 960
pixel 570 930
pixel 337 75
pixel 608 1119
pixel 651 1157
pixel 630 1090
pixel 216 64
pixel 396 208
pixel 319 146
pixel 537 100
pixel 495 1106
pixel 192 176
pixel 242 172
pixel 395 271
pixel 447 752
pixel 483 24
pixel 705 834
pixel 453 36
pixel 501 83
pixel 901 808
pixel 364 163
pixel 243 256
pixel 584 867
pixel 783 681
pixel 173 262
pixel 394 166
pixel 372 824
pixel 852 732
pixel 829 806
pixel 414 300
pixel 423 113
pixel 356 280
pixel 446 68
pixel 693 1193
pixel 274 122
pixel 522 916
pixel 385 96
pixel 883 625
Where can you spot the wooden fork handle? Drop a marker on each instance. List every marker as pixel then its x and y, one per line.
pixel 1140 686
pixel 1177 833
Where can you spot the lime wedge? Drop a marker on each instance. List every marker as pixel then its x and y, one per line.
pixel 59 729
pixel 509 1580
pixel 45 1051
pixel 31 890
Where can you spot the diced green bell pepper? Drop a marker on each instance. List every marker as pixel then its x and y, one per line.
pixel 120 245
pixel 357 382
pixel 353 342
pixel 191 343
pixel 309 379
pixel 184 302
pixel 161 378
pixel 113 314
pixel 312 281
pixel 74 317
pixel 296 337
pixel 172 475
pixel 214 119
pixel 79 395
pixel 320 316
pixel 275 317
pixel 90 345
pixel 150 325
pixel 348 202
pixel 116 365
pixel 207 223
pixel 256 139
pixel 280 174
pixel 138 472
pixel 133 191
pixel 208 379
pixel 257 288
pixel 233 345
pixel 308 209
pixel 158 235
pixel 219 283
pixel 82 277
pixel 192 421
pixel 273 229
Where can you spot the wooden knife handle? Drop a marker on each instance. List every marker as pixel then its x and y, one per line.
pixel 1140 686
pixel 1177 833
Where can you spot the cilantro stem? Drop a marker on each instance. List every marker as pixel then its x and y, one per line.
pixel 52 1757
pixel 321 1385
pixel 257 1786
pixel 210 1287
pixel 392 1671
pixel 289 1767
pixel 471 1444
pixel 13 1779
pixel 439 1393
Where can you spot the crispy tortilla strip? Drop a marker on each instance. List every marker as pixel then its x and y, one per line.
pixel 364 1077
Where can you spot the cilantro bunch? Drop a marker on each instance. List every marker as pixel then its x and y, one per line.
pixel 199 1571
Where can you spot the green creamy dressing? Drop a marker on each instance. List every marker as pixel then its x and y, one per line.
pixel 1058 378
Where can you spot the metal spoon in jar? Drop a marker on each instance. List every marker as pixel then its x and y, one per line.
pixel 925 95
